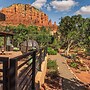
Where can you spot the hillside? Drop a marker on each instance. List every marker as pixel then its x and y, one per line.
pixel 26 14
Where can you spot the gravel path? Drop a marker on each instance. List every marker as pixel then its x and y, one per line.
pixel 69 82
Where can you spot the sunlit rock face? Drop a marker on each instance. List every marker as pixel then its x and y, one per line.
pixel 26 14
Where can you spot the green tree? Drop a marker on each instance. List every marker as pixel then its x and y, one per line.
pixel 43 37
pixel 21 33
pixel 70 29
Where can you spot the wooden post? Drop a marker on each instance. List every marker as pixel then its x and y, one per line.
pixel 40 59
pixel 33 70
pixel 45 50
pixel 5 73
pixel 5 43
pixel 13 75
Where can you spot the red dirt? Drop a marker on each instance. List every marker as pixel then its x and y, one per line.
pixel 83 76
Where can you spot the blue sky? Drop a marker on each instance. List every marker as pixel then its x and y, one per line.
pixel 55 9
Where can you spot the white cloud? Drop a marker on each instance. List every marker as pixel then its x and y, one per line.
pixel 1 8
pixel 39 3
pixel 48 7
pixel 83 10
pixel 63 5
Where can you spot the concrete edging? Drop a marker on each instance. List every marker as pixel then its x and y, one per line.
pixel 72 71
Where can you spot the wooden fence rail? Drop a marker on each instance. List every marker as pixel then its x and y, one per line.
pixel 19 73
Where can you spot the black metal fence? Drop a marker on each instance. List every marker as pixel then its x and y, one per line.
pixel 19 73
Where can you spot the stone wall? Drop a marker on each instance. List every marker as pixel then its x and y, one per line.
pixel 40 76
pixel 26 14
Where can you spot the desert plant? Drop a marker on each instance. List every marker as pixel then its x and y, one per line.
pixel 15 49
pixel 51 64
pixel 51 51
pixel 74 65
pixel 74 57
pixel 52 68
pixel 87 52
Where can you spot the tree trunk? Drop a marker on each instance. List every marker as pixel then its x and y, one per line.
pixel 18 44
pixel 68 48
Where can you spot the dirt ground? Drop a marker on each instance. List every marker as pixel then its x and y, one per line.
pixel 54 83
pixel 84 76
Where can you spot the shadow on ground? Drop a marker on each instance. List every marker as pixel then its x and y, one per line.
pixel 53 83
pixel 73 84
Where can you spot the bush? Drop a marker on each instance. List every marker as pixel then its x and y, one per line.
pixel 74 65
pixel 87 52
pixel 51 64
pixel 74 57
pixel 51 51
pixel 52 69
pixel 15 49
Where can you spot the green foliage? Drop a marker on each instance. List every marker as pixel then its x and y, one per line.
pixel 1 41
pixel 55 44
pixel 23 33
pixel 51 51
pixel 74 57
pixel 52 68
pixel 87 52
pixel 51 64
pixel 16 49
pixel 2 28
pixel 43 36
pixel 73 64
pixel 74 32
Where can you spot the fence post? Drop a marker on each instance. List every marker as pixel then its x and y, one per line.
pixel 5 73
pixel 13 75
pixel 45 50
pixel 33 70
pixel 40 59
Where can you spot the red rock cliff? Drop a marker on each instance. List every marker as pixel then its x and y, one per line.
pixel 27 15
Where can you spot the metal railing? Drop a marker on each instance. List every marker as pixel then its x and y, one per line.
pixel 19 73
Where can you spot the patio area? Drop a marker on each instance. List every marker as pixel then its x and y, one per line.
pixel 10 54
pixel 6 50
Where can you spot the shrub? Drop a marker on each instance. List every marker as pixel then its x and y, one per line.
pixel 15 49
pixel 87 52
pixel 51 51
pixel 74 65
pixel 52 69
pixel 51 64
pixel 74 57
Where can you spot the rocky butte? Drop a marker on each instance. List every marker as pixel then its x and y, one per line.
pixel 25 14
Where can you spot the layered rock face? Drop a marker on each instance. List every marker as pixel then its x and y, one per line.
pixel 26 14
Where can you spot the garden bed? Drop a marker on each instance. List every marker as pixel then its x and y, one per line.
pixel 79 64
pixel 52 80
pixel 81 70
pixel 84 76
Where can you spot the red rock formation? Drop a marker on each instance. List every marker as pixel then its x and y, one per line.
pixel 26 14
